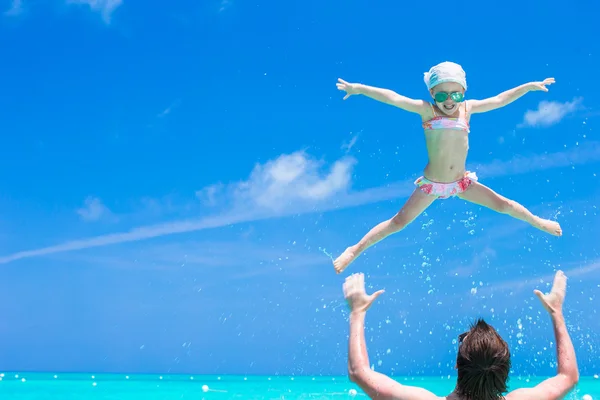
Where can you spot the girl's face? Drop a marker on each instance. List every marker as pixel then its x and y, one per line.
pixel 448 96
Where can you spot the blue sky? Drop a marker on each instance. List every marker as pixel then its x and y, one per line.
pixel 175 177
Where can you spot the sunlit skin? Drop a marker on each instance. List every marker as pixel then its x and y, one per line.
pixel 379 386
pixel 447 154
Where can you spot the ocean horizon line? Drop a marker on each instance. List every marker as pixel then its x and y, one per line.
pixel 19 374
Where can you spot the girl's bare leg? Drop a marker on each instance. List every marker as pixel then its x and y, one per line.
pixel 484 196
pixel 414 206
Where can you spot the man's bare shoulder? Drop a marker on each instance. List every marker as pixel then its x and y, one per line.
pixel 519 394
pixel 554 388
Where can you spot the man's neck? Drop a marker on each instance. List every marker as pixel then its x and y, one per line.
pixel 453 396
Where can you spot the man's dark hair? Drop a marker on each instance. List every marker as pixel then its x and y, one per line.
pixel 483 363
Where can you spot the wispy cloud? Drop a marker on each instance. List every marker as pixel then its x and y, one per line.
pixel 105 7
pixel 549 113
pixel 16 8
pixel 224 5
pixel 208 195
pixel 543 283
pixel 480 258
pixel 206 254
pixel 347 146
pixel 169 109
pixel 94 210
pixel 589 152
pixel 296 183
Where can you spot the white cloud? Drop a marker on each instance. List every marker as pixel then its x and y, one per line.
pixel 289 180
pixel 93 210
pixel 294 184
pixel 279 184
pixel 104 7
pixel 549 113
pixel 16 8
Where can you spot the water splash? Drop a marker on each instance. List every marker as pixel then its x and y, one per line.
pixel 324 251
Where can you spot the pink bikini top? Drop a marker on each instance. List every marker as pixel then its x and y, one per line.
pixel 443 122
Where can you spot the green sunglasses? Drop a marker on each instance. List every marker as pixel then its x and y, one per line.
pixel 441 97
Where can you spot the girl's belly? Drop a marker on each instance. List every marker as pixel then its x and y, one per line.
pixel 447 153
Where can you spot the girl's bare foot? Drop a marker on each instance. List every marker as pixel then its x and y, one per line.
pixel 344 260
pixel 551 227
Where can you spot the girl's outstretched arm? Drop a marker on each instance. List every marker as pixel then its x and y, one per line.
pixel 383 95
pixel 507 97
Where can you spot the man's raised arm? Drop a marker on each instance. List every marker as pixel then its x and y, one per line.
pixel 375 385
pixel 568 374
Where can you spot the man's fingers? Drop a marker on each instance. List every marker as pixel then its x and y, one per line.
pixel 542 298
pixel 560 282
pixel 539 294
pixel 350 286
pixel 378 293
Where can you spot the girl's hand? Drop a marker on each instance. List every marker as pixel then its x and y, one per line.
pixel 349 88
pixel 542 85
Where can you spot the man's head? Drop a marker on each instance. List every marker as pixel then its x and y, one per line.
pixel 483 363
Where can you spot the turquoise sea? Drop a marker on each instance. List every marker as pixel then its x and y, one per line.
pixel 28 386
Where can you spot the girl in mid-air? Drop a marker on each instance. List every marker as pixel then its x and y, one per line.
pixel 446 125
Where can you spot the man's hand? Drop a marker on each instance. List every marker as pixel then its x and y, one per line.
pixel 354 292
pixel 349 88
pixel 534 86
pixel 553 301
pixel 567 376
